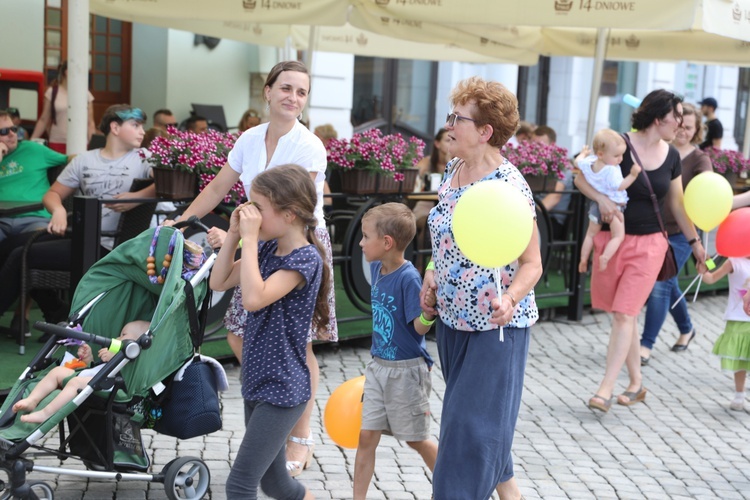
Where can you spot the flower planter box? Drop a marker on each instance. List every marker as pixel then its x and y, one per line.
pixel 368 182
pixel 175 184
pixel 731 177
pixel 541 183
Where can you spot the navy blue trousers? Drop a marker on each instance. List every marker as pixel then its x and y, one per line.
pixel 483 387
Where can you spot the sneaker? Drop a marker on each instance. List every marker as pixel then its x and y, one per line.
pixel 737 404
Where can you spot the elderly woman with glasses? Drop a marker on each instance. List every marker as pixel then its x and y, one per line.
pixel 622 289
pixel 483 366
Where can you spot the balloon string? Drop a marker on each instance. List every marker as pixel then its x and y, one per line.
pixel 685 292
pixel 698 287
pixel 699 279
pixel 497 283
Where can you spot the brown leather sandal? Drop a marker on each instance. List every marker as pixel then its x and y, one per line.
pixel 600 403
pixel 633 397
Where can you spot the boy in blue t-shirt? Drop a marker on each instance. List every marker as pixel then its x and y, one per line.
pixel 397 380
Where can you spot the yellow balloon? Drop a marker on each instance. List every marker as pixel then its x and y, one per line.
pixel 343 413
pixel 492 223
pixel 708 200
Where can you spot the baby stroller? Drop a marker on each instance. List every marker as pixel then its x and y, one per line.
pixel 105 419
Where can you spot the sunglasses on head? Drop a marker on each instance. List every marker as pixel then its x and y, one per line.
pixel 7 130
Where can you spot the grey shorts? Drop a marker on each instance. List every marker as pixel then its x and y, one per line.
pixel 595 215
pixel 397 398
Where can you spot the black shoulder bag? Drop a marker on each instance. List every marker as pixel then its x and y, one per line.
pixel 669 266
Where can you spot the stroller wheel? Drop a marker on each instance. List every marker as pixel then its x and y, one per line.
pixel 4 483
pixel 36 491
pixel 41 491
pixel 186 478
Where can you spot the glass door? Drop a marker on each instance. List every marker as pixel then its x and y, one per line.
pixel 395 96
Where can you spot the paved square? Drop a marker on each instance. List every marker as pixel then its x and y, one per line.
pixel 683 442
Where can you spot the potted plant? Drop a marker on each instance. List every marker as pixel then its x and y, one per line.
pixel 728 163
pixel 375 163
pixel 185 162
pixel 541 164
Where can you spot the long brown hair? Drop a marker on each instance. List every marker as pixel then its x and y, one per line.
pixel 289 187
pixel 689 109
pixel 435 154
pixel 61 74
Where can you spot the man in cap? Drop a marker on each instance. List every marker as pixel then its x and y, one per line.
pixel 714 129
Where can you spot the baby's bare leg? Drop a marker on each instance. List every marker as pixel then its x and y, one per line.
pixel 69 392
pixel 588 245
pixel 50 382
pixel 617 229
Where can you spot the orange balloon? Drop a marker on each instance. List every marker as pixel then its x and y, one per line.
pixel 343 413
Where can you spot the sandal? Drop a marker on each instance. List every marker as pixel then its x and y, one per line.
pixel 600 403
pixel 633 397
pixel 295 467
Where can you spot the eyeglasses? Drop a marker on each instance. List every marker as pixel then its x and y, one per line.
pixel 450 120
pixel 7 130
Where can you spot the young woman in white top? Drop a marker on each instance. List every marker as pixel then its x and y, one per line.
pixel 282 140
pixel 54 118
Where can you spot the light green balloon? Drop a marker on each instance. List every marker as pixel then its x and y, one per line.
pixel 493 223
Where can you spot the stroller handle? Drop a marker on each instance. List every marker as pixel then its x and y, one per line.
pixel 63 332
pixel 193 222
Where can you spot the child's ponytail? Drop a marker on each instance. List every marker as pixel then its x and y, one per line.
pixel 321 315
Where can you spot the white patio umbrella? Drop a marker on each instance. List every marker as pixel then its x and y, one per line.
pixel 457 17
pixel 352 40
pixel 643 14
pixel 310 12
pixel 698 44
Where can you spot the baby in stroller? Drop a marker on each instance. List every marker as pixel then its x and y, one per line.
pixel 56 377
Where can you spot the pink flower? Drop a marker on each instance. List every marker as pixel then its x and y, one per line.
pixel 535 158
pixel 372 151
pixel 725 160
pixel 203 154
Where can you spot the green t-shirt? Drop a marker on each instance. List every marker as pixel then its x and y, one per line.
pixel 23 174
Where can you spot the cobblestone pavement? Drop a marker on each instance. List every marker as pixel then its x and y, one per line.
pixel 683 442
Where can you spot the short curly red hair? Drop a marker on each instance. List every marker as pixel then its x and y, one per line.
pixel 496 106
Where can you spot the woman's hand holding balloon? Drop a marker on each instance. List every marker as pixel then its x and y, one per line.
pixel 502 310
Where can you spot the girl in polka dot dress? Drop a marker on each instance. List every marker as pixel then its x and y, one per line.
pixel 285 282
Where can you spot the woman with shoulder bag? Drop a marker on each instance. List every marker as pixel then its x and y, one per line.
pixel 666 293
pixel 622 289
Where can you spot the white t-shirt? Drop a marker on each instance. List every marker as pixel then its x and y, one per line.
pixel 739 285
pixel 58 132
pixel 299 146
pixel 606 181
